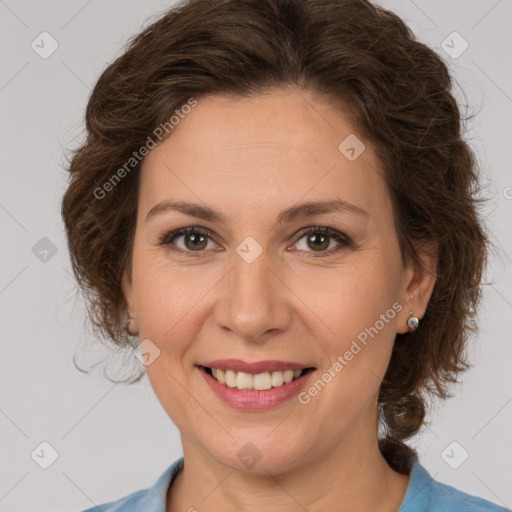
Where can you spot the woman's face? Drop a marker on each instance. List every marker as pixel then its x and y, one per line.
pixel 256 289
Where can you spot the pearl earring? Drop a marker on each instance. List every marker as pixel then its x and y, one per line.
pixel 412 322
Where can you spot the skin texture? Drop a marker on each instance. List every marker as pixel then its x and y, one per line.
pixel 250 159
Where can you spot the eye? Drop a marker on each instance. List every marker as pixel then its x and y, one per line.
pixel 319 238
pixel 195 239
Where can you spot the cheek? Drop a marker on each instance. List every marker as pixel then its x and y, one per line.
pixel 359 305
pixel 354 296
pixel 361 313
pixel 169 298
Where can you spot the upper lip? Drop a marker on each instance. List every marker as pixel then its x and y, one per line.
pixel 237 365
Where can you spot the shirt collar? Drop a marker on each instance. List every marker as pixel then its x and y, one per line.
pixel 155 497
pixel 417 495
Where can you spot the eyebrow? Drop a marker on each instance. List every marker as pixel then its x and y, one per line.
pixel 307 209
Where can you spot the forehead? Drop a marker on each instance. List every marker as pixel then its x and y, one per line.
pixel 282 146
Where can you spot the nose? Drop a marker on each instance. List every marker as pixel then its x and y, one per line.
pixel 254 302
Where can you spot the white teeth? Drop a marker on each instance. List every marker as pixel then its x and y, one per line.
pixel 262 381
pixel 230 379
pixel 277 379
pixel 259 381
pixel 221 376
pixel 243 380
pixel 288 376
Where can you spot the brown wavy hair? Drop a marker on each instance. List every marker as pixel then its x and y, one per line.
pixel 363 58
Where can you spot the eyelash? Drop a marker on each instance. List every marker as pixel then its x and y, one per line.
pixel 168 238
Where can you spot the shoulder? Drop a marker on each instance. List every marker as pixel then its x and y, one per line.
pixel 424 494
pixel 130 502
pixel 447 498
pixel 147 500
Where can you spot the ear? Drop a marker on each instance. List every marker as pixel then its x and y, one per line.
pixel 127 287
pixel 418 285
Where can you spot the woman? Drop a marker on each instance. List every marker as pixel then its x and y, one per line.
pixel 275 200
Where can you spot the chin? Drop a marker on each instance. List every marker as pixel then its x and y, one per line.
pixel 260 457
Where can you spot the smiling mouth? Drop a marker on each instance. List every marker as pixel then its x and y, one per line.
pixel 255 382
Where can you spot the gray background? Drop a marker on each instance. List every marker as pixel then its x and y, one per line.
pixel 112 439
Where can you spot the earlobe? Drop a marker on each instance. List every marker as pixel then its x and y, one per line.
pixel 419 284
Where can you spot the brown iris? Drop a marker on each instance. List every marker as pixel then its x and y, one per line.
pixel 316 237
pixel 198 241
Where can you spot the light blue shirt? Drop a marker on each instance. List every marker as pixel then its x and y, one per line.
pixel 423 495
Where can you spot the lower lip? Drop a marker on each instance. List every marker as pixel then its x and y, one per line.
pixel 255 400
